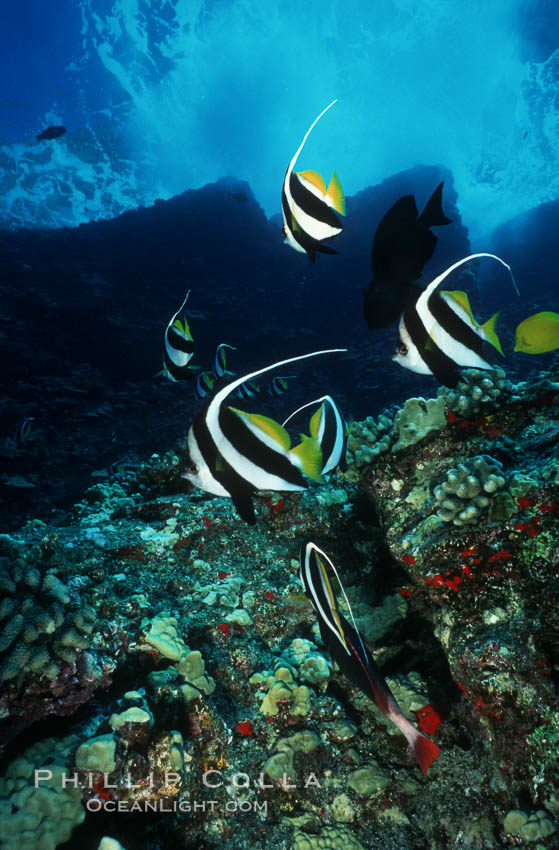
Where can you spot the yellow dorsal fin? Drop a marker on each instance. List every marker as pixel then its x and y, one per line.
pixel 310 455
pixel 461 298
pixel 314 178
pixel 314 424
pixel 336 194
pixel 488 328
pixel 269 426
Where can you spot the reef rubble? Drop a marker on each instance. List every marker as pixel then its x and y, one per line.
pixel 163 652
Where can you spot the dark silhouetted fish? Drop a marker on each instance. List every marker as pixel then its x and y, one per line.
pixel 52 132
pixel 402 245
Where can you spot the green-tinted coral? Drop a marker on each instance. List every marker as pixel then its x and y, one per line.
pixel 467 490
pixel 39 627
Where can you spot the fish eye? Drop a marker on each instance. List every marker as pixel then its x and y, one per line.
pixel 192 469
pixel 402 348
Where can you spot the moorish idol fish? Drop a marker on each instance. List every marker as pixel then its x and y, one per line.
pixel 52 132
pixel 179 347
pixel 22 433
pixel 234 454
pixel 278 385
pixel 328 428
pixel 247 390
pixel 348 650
pixel 538 333
pixel 308 206
pixel 220 366
pixel 402 244
pixel 204 384
pixel 438 335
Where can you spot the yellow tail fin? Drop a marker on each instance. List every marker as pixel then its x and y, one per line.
pixel 336 193
pixel 491 334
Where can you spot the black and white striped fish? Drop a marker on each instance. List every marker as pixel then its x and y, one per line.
pixel 329 429
pixel 438 335
pixel 278 385
pixel 204 384
pixel 348 650
pixel 220 366
pixel 179 347
pixel 234 454
pixel 247 390
pixel 308 206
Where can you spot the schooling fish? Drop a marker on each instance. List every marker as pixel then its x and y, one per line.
pixel 348 650
pixel 538 333
pixel 328 428
pixel 205 383
pixel 220 366
pixel 234 454
pixel 278 385
pixel 438 335
pixel 308 206
pixel 402 244
pixel 247 390
pixel 179 347
pixel 52 132
pixel 24 430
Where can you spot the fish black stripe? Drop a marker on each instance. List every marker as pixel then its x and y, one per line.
pixel 226 476
pixel 179 373
pixel 311 204
pixel 330 433
pixel 300 237
pixel 437 361
pixel 453 324
pixel 251 447
pixel 177 341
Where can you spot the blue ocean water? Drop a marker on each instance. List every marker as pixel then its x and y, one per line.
pixel 163 96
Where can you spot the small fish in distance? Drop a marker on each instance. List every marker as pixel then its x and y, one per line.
pixel 234 454
pixel 24 430
pixel 308 206
pixel 205 383
pixel 278 385
pixel 402 244
pixel 538 333
pixel 348 650
pixel 220 365
pixel 438 335
pixel 179 347
pixel 329 429
pixel 52 132
pixel 247 390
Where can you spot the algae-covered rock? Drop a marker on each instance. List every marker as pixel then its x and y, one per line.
pixel 368 780
pixel 97 754
pixel 417 419
pixel 329 838
pixel 45 816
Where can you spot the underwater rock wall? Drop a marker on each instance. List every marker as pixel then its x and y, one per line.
pixel 83 313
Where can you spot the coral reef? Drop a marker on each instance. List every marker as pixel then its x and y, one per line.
pixel 221 688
